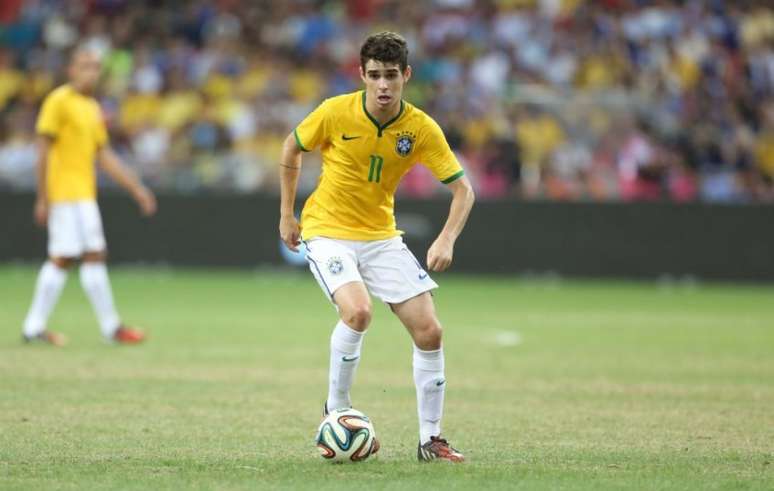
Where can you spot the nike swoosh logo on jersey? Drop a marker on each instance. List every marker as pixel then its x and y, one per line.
pixel 345 137
pixel 349 358
pixel 440 383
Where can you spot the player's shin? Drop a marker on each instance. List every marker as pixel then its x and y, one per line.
pixel 95 282
pixel 431 386
pixel 345 357
pixel 51 279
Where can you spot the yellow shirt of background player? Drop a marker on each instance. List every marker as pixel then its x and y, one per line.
pixel 75 123
pixel 363 163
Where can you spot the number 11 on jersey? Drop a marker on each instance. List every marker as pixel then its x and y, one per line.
pixel 375 170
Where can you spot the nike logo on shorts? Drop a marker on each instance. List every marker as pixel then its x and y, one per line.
pixel 422 275
pixel 349 358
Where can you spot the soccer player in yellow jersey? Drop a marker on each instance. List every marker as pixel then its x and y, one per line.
pixel 71 137
pixel 369 140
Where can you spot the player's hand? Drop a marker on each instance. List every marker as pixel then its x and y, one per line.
pixel 147 201
pixel 439 256
pixel 41 211
pixel 290 232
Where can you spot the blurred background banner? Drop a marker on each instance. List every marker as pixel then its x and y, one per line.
pixel 638 240
pixel 547 101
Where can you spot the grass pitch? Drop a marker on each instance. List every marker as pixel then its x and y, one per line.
pixel 552 385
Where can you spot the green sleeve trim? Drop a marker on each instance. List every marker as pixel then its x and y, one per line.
pixel 298 141
pixel 453 177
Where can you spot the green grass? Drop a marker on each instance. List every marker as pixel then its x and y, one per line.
pixel 552 385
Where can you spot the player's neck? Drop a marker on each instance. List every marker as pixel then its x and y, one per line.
pixel 80 90
pixel 381 114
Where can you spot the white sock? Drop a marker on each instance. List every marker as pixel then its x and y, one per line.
pixel 94 280
pixel 345 357
pixel 431 387
pixel 51 279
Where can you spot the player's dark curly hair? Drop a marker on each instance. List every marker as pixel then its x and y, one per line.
pixel 387 47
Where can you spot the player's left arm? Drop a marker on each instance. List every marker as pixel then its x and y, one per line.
pixel 441 252
pixel 290 170
pixel 127 179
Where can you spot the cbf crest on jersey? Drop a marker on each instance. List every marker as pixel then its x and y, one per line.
pixel 405 143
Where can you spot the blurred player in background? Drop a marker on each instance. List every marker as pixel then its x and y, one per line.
pixel 369 139
pixel 71 137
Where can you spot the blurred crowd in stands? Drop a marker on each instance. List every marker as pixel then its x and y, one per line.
pixel 540 99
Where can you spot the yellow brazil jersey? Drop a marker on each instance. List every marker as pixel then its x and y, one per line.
pixel 75 123
pixel 363 162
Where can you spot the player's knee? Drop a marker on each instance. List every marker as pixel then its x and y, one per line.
pixel 62 262
pixel 429 335
pixel 435 334
pixel 94 257
pixel 357 317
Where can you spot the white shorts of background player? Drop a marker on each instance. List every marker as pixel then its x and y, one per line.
pixel 74 227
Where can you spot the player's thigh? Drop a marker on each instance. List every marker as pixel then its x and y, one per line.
pixel 417 312
pixel 418 316
pixel 392 273
pixel 332 263
pixel 92 233
pixel 64 237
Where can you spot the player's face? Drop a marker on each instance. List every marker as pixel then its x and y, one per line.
pixel 384 82
pixel 84 71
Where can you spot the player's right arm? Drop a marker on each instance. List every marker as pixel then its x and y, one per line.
pixel 290 169
pixel 308 135
pixel 41 170
pixel 47 127
pixel 127 179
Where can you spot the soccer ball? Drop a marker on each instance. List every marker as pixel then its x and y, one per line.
pixel 346 435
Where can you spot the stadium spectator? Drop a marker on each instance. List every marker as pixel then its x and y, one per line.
pixel 530 92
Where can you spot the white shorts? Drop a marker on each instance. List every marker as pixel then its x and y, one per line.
pixel 74 227
pixel 387 267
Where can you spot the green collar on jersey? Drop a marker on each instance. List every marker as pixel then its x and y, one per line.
pixel 379 127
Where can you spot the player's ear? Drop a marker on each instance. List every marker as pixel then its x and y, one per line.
pixel 362 73
pixel 407 73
